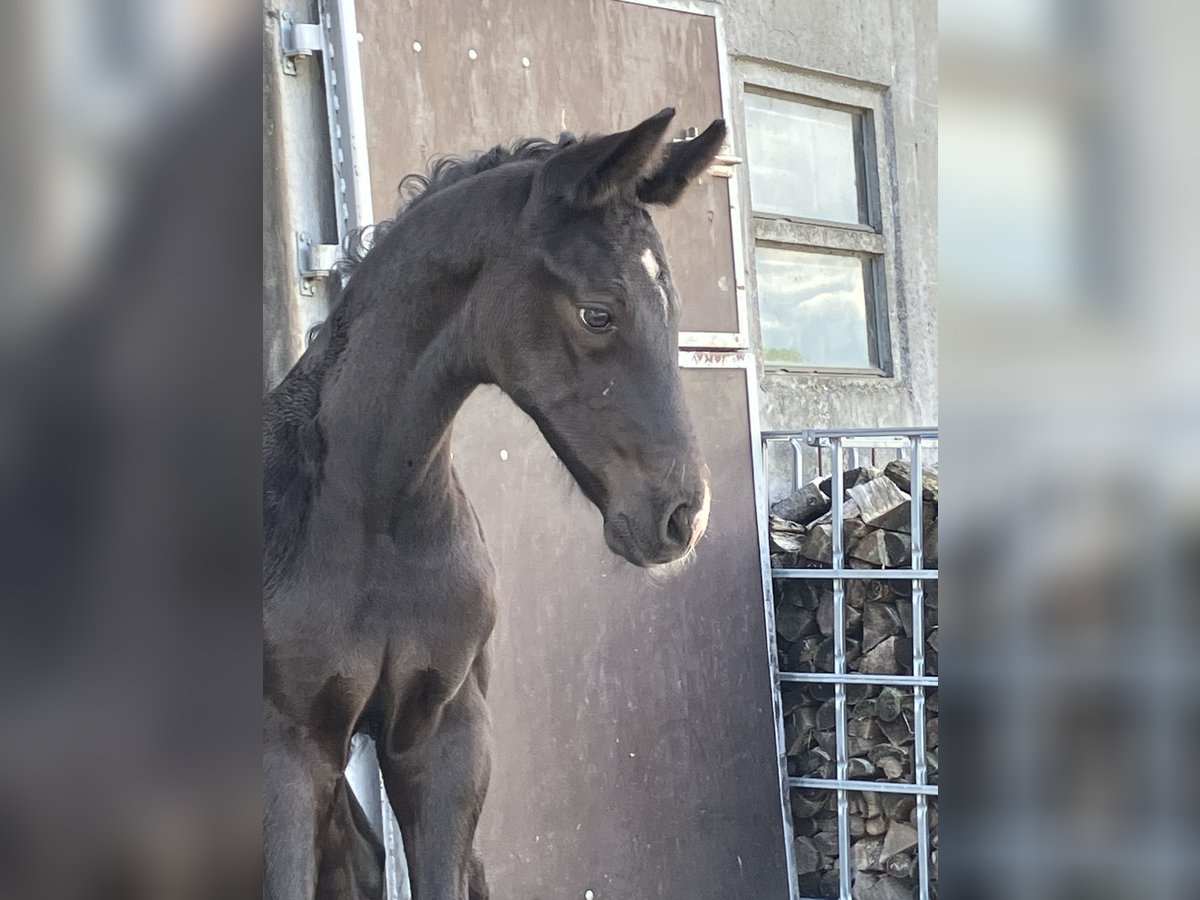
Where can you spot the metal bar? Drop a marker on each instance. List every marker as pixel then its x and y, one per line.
pixel 797 465
pixel 882 787
pixel 759 463
pixel 855 678
pixel 859 574
pixel 347 117
pixel 839 668
pixel 916 507
pixel 929 432
pixel 823 435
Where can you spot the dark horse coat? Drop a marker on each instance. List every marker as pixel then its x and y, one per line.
pixel 536 269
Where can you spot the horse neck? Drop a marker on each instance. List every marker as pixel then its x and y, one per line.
pixel 388 410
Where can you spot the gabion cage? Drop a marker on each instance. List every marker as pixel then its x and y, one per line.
pixel 822 785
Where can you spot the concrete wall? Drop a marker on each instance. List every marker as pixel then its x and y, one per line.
pixel 889 47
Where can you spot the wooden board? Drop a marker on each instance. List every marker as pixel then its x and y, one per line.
pixel 594 66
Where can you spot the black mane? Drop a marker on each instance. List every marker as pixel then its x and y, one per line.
pixel 445 171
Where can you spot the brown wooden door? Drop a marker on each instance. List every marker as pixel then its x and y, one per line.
pixel 594 66
pixel 634 737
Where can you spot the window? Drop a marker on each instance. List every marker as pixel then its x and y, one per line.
pixel 818 247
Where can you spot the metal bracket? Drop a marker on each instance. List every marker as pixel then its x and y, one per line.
pixel 316 261
pixel 723 162
pixel 298 40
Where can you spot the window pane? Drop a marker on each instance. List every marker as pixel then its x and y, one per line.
pixel 802 160
pixel 813 308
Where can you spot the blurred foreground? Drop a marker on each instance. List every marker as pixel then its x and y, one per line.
pixel 1070 429
pixel 129 550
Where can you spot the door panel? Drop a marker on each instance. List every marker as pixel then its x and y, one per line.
pixel 594 66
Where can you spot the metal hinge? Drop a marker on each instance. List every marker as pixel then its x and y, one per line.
pixel 316 261
pixel 723 163
pixel 298 39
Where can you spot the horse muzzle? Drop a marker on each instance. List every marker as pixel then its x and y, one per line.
pixel 661 534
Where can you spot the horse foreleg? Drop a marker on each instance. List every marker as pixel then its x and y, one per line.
pixel 294 797
pixel 438 804
pixel 352 857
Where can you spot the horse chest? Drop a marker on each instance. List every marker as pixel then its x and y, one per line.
pixel 436 601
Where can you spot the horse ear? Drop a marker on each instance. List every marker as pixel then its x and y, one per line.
pixel 684 161
pixel 593 171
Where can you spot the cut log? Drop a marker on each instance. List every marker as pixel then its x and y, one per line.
pixel 792 622
pixel 889 703
pixel 901 866
pixel 818 545
pixel 825 617
pixel 890 761
pixel 879 622
pixel 802 506
pixel 930 548
pixel 808 858
pixel 807 803
pixel 885 888
pixel 892 656
pixel 861 768
pixel 864 855
pixel 900 837
pixel 882 505
pixel 827 841
pixel 850 478
pixel 899 471
pixel 883 549
pixel 899 731
pixel 861 591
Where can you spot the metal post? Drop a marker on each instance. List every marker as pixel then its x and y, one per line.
pixel 797 466
pixel 917 505
pixel 839 668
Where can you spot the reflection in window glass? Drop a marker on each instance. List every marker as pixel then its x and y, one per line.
pixel 813 309
pixel 802 160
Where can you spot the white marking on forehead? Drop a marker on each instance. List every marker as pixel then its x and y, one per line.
pixel 653 270
pixel 650 263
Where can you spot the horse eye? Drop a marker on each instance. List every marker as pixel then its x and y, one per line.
pixel 596 319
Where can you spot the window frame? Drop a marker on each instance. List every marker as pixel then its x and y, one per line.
pixel 872 241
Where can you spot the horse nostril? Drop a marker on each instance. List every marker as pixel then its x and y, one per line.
pixel 679 524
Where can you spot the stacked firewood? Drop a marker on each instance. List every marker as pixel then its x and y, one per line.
pixel 879 641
